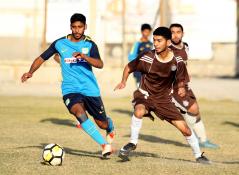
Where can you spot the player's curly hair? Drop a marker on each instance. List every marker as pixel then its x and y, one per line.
pixel 164 32
pixel 78 17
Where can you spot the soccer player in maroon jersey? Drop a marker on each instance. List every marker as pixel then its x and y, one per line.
pixel 188 104
pixel 159 70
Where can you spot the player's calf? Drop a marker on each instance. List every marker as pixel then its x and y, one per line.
pixel 182 126
pixel 107 125
pixel 110 131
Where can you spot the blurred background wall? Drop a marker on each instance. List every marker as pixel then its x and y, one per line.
pixel 29 26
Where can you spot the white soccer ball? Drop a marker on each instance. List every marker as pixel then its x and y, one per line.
pixel 53 154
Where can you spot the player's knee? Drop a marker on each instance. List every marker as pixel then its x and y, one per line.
pixel 186 131
pixel 194 109
pixel 139 111
pixel 81 117
pixel 77 110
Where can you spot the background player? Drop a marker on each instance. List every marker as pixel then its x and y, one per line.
pixel 159 68
pixel 144 44
pixel 188 104
pixel 80 90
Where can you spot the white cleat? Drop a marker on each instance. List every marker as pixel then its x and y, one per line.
pixel 107 150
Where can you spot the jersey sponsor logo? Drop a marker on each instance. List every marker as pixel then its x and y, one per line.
pixel 73 60
pixel 85 50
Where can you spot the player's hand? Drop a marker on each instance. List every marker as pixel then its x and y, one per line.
pixel 181 91
pixel 25 76
pixel 78 55
pixel 121 85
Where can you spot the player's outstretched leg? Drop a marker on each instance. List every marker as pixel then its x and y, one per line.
pixel 90 128
pixel 136 124
pixel 192 141
pixel 196 123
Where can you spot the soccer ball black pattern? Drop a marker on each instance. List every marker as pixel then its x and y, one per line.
pixel 53 154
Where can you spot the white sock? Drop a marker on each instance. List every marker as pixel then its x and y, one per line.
pixel 200 131
pixel 136 124
pixel 193 142
pixel 190 120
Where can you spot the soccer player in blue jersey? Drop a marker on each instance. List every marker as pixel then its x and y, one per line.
pixel 143 45
pixel 78 53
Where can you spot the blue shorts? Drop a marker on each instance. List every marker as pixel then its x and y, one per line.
pixel 93 105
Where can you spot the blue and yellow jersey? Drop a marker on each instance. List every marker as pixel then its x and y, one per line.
pixel 77 75
pixel 139 47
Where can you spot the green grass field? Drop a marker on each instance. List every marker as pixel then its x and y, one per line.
pixel 29 123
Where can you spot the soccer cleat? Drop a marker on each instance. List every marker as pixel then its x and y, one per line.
pixel 110 137
pixel 107 150
pixel 203 159
pixel 208 144
pixel 125 150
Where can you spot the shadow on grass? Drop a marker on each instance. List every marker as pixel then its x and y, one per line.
pixel 155 139
pixel 231 123
pixel 75 152
pixel 97 154
pixel 229 162
pixel 135 154
pixel 123 111
pixel 153 155
pixel 57 121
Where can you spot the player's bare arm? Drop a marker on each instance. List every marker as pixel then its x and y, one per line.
pixel 57 58
pixel 35 65
pixel 98 63
pixel 126 73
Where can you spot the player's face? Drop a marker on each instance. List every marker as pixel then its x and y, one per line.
pixel 160 43
pixel 78 29
pixel 177 35
pixel 146 33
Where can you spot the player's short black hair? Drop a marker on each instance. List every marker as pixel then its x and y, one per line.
pixel 78 17
pixel 164 32
pixel 145 26
pixel 176 25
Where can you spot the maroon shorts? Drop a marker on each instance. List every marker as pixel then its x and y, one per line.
pixel 165 111
pixel 184 103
